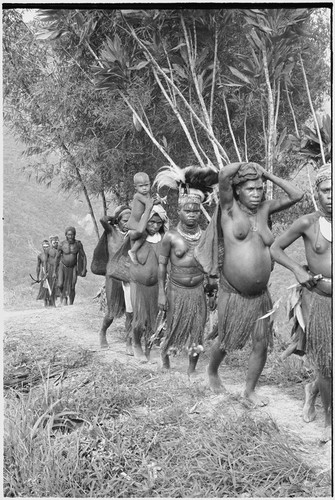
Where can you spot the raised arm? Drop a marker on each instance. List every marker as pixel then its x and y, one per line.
pixel 162 271
pixel 226 175
pixel 293 193
pixel 283 241
pixel 38 268
pixel 57 260
pixel 83 257
pixel 108 223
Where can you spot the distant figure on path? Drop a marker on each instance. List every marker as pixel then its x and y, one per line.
pixel 316 231
pixel 243 295
pixel 70 262
pixel 52 253
pixel 44 292
pixel 117 292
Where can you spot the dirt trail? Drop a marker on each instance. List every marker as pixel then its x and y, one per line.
pixel 78 325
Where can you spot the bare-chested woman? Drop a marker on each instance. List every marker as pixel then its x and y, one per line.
pixel 243 295
pixel 184 299
pixel 70 262
pixel 316 231
pixel 144 277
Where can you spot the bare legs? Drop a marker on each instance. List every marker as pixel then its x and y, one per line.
pixel 137 347
pixel 311 392
pixel 217 356
pixel 192 362
pixel 106 323
pixel 255 366
pixel 323 386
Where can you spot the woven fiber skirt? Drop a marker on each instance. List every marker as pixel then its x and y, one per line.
pixel 186 316
pixel 319 334
pixel 115 298
pixel 144 300
pixel 238 315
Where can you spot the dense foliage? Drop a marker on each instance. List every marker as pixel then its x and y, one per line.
pixel 112 92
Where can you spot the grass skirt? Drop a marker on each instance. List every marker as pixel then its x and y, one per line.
pixel 186 316
pixel 319 334
pixel 144 300
pixel 115 298
pixel 238 315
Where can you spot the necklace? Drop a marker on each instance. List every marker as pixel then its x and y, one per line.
pixel 252 214
pixel 190 237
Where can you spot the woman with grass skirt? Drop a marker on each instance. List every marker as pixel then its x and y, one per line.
pixel 184 299
pixel 117 292
pixel 316 231
pixel 243 297
pixel 144 277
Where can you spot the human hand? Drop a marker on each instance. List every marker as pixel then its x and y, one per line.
pixel 305 278
pixel 162 302
pixel 149 203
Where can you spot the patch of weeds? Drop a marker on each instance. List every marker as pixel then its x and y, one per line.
pixel 28 361
pixel 164 451
pixel 292 370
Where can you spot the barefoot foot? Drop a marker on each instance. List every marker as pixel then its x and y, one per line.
pixel 255 399
pixel 326 434
pixel 215 383
pixel 139 354
pixel 308 411
pixel 103 340
pixel 129 350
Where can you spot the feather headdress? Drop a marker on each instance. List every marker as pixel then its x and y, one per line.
pixel 190 181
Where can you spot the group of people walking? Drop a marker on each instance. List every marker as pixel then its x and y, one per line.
pixel 58 266
pixel 180 272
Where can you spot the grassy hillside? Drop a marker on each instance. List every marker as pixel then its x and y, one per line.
pixel 32 213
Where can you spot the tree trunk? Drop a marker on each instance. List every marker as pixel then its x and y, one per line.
pixel 271 122
pixel 80 179
pixel 88 201
pixel 104 202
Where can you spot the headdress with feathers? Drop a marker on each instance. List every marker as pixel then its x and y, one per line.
pixel 191 182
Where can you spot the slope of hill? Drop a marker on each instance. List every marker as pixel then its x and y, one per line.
pixel 31 213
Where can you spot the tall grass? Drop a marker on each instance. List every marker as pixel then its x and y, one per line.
pixel 116 431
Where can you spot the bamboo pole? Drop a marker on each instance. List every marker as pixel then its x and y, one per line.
pixel 312 109
pixel 145 128
pixel 230 128
pixel 200 97
pixel 311 187
pixel 151 59
pixel 181 121
pixel 292 110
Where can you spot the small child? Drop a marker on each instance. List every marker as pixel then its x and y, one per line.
pixel 142 194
